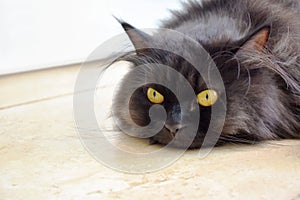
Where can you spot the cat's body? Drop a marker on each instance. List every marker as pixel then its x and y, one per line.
pixel 257 39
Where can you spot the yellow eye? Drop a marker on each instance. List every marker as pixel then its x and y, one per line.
pixel 207 98
pixel 154 96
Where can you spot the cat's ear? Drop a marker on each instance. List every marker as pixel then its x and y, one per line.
pixel 256 41
pixel 139 39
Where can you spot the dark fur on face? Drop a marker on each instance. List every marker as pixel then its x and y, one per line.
pixel 256 47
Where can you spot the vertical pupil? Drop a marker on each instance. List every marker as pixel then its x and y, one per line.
pixel 207 97
pixel 154 94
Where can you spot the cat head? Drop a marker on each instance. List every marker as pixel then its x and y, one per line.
pixel 240 75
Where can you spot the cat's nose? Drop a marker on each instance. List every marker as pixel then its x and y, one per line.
pixel 173 128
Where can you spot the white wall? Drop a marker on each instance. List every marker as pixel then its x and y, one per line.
pixel 44 33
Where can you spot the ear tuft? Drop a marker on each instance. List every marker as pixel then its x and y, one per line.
pixel 258 40
pixel 139 39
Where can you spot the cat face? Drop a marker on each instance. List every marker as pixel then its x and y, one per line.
pixel 179 116
pixel 236 77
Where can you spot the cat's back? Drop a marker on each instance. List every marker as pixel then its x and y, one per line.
pixel 222 24
pixel 214 20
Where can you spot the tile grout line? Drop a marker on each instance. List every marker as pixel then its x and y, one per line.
pixel 34 101
pixel 42 99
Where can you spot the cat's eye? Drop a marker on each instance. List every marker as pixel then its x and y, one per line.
pixel 207 98
pixel 154 96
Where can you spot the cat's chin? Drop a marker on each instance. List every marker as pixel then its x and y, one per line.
pixel 167 138
pixel 175 144
pixel 196 144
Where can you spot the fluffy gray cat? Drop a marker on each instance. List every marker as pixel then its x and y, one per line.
pixel 256 47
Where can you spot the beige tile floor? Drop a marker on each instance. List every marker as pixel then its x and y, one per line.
pixel 41 155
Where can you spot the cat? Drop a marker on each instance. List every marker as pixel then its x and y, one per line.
pixel 257 39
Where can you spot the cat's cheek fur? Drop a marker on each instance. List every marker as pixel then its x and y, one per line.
pixel 139 107
pixel 263 109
